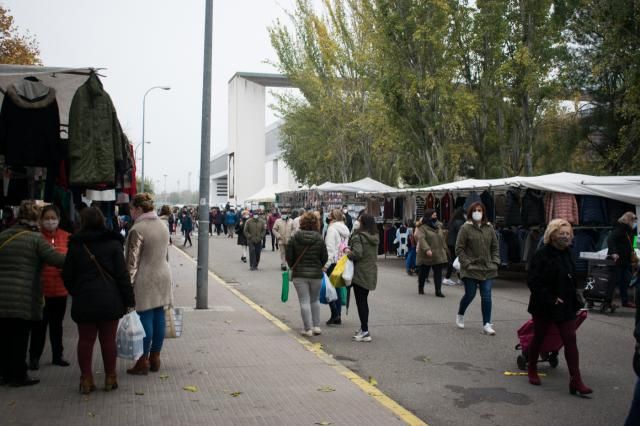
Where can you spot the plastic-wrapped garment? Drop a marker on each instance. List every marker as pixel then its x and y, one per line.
pixel 593 210
pixel 559 205
pixel 489 205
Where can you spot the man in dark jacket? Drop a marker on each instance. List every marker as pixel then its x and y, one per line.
pixel 620 244
pixel 255 231
pixel 634 413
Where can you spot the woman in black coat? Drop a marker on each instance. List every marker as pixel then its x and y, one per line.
pixel 553 300
pixel 95 275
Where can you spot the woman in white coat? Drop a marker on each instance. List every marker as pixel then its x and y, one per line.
pixel 336 240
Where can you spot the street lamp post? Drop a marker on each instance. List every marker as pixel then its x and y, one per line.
pixel 144 100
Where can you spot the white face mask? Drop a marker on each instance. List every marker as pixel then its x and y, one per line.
pixel 356 225
pixel 50 224
pixel 476 216
pixel 345 211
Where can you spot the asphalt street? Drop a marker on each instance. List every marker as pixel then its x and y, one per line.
pixel 448 376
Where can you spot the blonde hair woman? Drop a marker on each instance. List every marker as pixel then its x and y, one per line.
pixel 553 300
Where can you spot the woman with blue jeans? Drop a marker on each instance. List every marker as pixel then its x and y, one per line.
pixel 148 265
pixel 477 250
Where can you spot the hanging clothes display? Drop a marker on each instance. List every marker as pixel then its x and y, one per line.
pixel 559 205
pixel 388 208
pixel 420 204
pixel 398 208
pixel 615 209
pixel 512 215
pixel 472 198
pixel 446 207
pixel 430 199
pixel 533 208
pixel 593 210
pixel 95 141
pixel 29 124
pixel 410 210
pixel 487 199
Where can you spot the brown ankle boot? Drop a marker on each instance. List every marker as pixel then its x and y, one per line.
pixel 154 361
pixel 110 382
pixel 86 385
pixel 141 367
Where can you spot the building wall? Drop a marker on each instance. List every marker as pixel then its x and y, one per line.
pixel 246 138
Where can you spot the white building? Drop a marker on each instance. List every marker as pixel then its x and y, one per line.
pixel 236 174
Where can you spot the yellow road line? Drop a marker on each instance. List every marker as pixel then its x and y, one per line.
pixel 316 348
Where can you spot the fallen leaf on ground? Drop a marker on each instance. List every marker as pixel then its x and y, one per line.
pixel 373 381
pixel 323 423
pixel 164 376
pixel 234 394
pixel 91 414
pixel 317 346
pixel 191 388
pixel 139 393
pixel 520 373
pixel 326 389
pixel 426 359
pixel 228 321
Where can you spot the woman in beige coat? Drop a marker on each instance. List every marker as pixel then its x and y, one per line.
pixel 148 264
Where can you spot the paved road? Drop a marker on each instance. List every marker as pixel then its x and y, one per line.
pixel 448 376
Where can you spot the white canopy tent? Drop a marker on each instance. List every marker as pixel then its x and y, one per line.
pixel 267 194
pixel 366 185
pixel 64 80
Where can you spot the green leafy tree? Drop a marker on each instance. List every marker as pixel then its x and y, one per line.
pixel 16 48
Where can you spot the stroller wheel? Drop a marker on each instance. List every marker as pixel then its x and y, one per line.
pixel 522 362
pixel 553 360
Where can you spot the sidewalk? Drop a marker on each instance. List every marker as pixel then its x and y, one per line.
pixel 248 368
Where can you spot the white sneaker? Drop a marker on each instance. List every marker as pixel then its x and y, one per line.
pixel 316 331
pixel 363 336
pixel 488 329
pixel 307 333
pixel 448 281
pixel 460 321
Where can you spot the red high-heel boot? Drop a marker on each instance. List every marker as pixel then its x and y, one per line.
pixel 577 386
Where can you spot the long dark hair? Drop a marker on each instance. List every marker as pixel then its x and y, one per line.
pixel 475 206
pixel 368 224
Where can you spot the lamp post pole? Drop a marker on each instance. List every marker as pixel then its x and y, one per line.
pixel 202 277
pixel 144 101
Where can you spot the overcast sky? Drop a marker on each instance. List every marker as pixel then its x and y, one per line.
pixel 144 43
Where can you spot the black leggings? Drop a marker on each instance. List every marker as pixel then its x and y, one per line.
pixel 187 237
pixel 361 294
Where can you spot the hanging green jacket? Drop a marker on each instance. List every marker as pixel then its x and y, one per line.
pixel 22 253
pixel 364 254
pixel 96 141
pixel 477 250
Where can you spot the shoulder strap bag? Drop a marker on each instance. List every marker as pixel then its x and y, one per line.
pixel 13 237
pixel 287 275
pixel 105 275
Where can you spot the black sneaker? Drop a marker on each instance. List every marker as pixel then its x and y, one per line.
pixel 334 321
pixel 27 381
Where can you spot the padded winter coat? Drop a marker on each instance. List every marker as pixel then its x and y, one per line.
pixel 254 230
pixel 283 229
pixel 337 232
pixel 430 238
pixel 21 262
pixel 311 263
pixel 552 275
pixel 96 296
pixel 96 141
pixel 620 242
pixel 364 254
pixel 52 284
pixel 477 249
pixel 533 208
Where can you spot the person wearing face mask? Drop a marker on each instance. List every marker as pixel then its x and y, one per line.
pixel 431 252
pixel 477 251
pixel 347 218
pixel 553 300
pixel 23 250
pixel 55 295
pixel 620 248
pixel 283 230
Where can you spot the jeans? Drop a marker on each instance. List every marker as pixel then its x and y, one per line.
pixel 106 332
pixel 470 287
pixel 634 413
pixel 361 295
pixel 52 316
pixel 254 254
pixel 620 277
pixel 308 290
pixel 154 326
pixel 15 339
pixel 410 263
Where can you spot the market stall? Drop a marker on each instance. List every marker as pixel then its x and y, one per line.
pixel 61 141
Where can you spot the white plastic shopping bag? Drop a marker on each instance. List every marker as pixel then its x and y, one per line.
pixel 456 264
pixel 129 337
pixel 330 295
pixel 347 274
